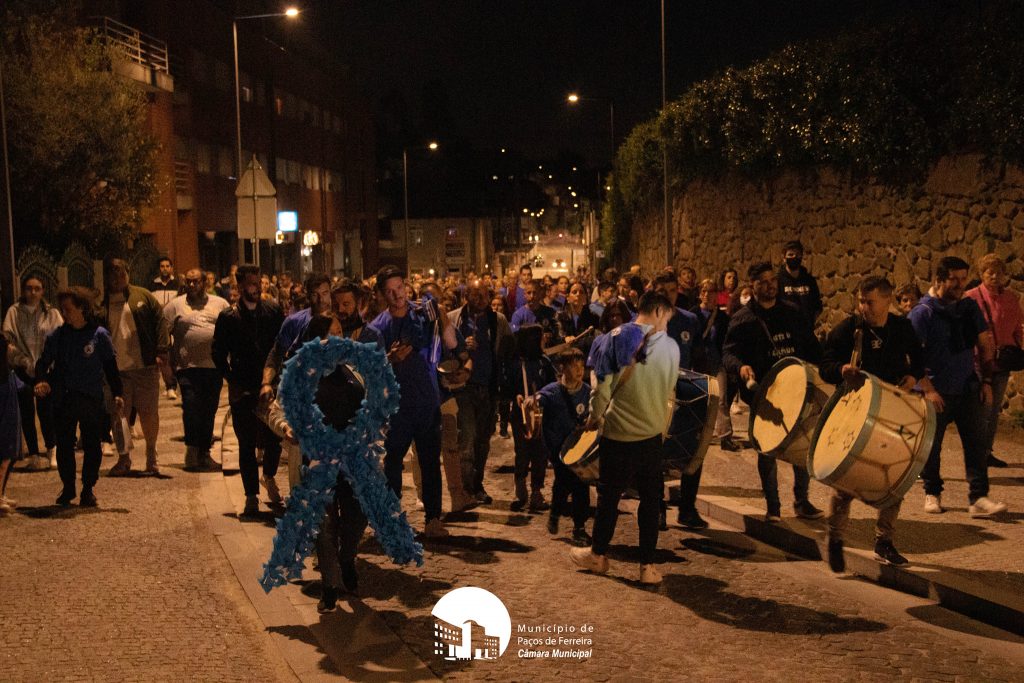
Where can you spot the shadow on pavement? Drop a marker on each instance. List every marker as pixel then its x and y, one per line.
pixel 60 512
pixel 1006 481
pixel 304 634
pixel 708 599
pixel 631 553
pixel 731 492
pixel 915 536
pixel 936 615
pixel 387 583
pixel 730 545
pixel 475 549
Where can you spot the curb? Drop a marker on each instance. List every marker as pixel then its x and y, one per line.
pixel 965 596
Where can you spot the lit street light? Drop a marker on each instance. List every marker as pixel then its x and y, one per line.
pixel 574 98
pixel 291 13
pixel 432 146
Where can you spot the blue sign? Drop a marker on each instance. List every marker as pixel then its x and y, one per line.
pixel 287 221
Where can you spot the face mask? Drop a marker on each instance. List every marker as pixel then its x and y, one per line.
pixel 745 299
pixel 350 322
pixel 793 263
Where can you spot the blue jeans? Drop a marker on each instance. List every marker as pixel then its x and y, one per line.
pixel 424 427
pixel 967 412
pixel 999 382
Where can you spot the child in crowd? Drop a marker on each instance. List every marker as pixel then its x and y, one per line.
pixel 565 406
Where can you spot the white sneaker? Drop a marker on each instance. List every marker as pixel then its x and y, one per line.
pixel 584 558
pixel 172 394
pixel 273 493
pixel 435 529
pixel 933 504
pixel 986 507
pixel 10 502
pixel 107 449
pixel 35 463
pixel 649 575
pixel 51 458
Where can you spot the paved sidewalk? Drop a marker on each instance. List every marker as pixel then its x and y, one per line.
pixel 987 552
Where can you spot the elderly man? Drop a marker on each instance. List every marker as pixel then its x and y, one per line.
pixel 134 319
pixel 191 319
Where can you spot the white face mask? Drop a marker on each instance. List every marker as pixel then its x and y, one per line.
pixel 744 300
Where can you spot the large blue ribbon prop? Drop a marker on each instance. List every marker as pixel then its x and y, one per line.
pixel 357 453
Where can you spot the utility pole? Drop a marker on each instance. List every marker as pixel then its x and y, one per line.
pixel 667 217
pixel 8 274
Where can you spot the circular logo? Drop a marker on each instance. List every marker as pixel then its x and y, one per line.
pixel 470 623
pixel 581 408
pixel 89 349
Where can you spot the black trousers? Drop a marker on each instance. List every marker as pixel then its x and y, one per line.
pixel 568 484
pixel 340 532
pixel 84 412
pixel 531 457
pixel 29 404
pixel 622 463
pixel 253 433
pixel 200 395
pixel 688 485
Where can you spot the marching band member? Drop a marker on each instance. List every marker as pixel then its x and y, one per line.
pixel 634 379
pixel 891 351
pixel 760 334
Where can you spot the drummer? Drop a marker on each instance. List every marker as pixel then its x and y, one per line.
pixel 891 351
pixel 760 334
pixel 635 371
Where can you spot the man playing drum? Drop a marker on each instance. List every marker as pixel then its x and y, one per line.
pixel 635 370
pixel 889 350
pixel 759 335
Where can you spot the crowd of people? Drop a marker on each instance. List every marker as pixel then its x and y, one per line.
pixel 532 359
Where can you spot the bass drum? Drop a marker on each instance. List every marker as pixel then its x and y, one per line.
pixel 580 454
pixel 693 421
pixel 873 442
pixel 786 409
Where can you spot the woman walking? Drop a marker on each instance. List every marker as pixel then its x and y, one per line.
pixel 26 326
pixel 76 358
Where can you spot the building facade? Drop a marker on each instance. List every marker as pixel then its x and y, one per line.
pixel 301 117
pixel 440 246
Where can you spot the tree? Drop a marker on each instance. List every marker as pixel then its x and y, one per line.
pixel 83 166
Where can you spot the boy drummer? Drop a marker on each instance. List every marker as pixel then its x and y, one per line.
pixel 891 351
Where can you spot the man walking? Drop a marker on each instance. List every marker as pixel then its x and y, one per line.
pixel 134 319
pixel 165 287
pixel 759 335
pixel 635 370
pixel 950 326
pixel 191 319
pixel 796 284
pixel 242 338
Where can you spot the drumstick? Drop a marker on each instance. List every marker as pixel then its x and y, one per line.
pixel 858 346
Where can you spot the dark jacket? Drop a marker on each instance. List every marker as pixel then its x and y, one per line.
pixel 500 335
pixel 241 341
pixel 802 290
pixel 149 322
pixel 760 337
pixel 890 353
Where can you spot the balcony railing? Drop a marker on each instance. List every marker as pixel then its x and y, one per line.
pixel 182 178
pixel 137 47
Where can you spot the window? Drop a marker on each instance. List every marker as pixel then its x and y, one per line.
pixel 203 154
pixel 415 237
pixel 244 87
pixel 261 93
pixel 278 106
pixel 315 172
pixel 226 165
pixel 304 114
pixel 181 149
pixel 222 76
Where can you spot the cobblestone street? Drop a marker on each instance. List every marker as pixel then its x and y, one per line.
pixel 141 590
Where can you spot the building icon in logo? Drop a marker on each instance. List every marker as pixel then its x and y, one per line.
pixel 470 623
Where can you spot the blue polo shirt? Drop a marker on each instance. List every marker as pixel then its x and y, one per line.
pixel 949 333
pixel 558 422
pixel 416 375
pixel 289 337
pixel 685 328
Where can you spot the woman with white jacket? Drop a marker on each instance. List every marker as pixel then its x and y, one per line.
pixel 26 326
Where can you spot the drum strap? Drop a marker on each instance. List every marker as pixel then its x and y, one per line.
pixel 627 372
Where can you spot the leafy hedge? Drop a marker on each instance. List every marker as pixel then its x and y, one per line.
pixel 884 102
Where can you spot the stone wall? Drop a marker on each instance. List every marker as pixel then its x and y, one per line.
pixel 965 208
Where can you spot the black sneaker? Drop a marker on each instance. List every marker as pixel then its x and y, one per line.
pixel 349 578
pixel 65 498
pixel 553 524
pixel 836 559
pixel 692 520
pixel 503 433
pixel 805 510
pixel 993 461
pixel 580 538
pixel 328 600
pixel 483 498
pixel 727 444
pixel 87 499
pixel 518 505
pixel 887 554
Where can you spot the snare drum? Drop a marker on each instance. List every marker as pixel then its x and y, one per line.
pixel 580 454
pixel 786 410
pixel 873 442
pixel 693 421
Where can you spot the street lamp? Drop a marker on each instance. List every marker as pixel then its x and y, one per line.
pixel 432 146
pixel 574 98
pixel 291 13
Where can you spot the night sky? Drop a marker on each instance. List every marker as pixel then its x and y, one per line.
pixel 496 73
